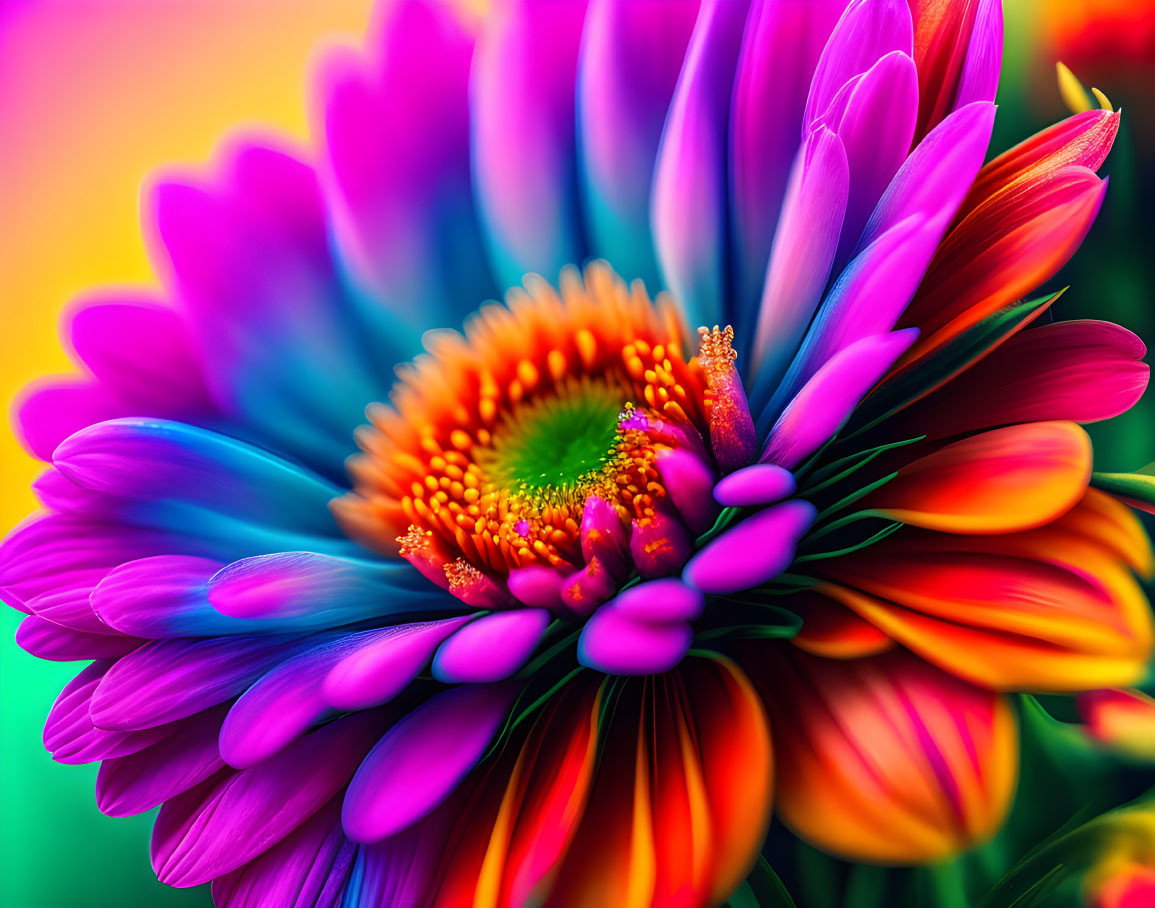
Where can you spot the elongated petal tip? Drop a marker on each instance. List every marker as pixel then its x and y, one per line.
pixel 617 644
pixel 491 648
pixel 753 552
pixel 762 483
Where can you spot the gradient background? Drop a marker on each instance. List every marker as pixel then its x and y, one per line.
pixel 94 94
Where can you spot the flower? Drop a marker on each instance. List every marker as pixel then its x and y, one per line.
pixel 594 584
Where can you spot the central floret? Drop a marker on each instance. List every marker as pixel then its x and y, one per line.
pixel 526 460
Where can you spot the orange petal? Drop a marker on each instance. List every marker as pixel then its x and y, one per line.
pixel 888 759
pixel 1084 139
pixel 1001 251
pixel 682 796
pixel 1008 479
pixel 510 839
pixel 832 630
pixel 1046 609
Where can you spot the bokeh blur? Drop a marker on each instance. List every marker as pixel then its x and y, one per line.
pixel 95 94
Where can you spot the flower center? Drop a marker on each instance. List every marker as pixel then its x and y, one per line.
pixel 557 450
pixel 531 447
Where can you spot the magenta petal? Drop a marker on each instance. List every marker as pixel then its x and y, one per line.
pixel 385 663
pixel 688 482
pixel 867 31
pixel 235 816
pixel 939 172
pixel 631 55
pixel 137 782
pixel 69 734
pixel 659 544
pixel 421 760
pixel 536 586
pixel 762 483
pixel 619 644
pixel 588 587
pixel 689 200
pixel 984 59
pixel 604 536
pixel 826 401
pixel 69 604
pixel 753 552
pixel 309 867
pixel 870 295
pixel 876 129
pixel 50 410
pixel 48 640
pixel 166 680
pixel 396 167
pixel 803 252
pixel 490 648
pixel 524 156
pixel 141 351
pixel 780 49
pixel 666 600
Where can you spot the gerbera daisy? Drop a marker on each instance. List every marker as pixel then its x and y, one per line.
pixel 757 495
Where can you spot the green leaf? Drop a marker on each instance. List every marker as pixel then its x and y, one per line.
pixel 945 363
pixel 1138 486
pixel 837 470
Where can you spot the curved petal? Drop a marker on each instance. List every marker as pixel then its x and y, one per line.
pixel 395 168
pixel 1049 609
pixel 631 56
pixel 524 155
pixel 688 213
pixel 1080 370
pixel 888 759
pixel 1001 481
pixel 681 798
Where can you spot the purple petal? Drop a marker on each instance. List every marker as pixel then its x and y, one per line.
pixel 491 648
pixel 658 601
pixel 631 55
pixel 524 159
pixel 688 481
pixel 69 734
pixel 69 603
pixel 870 295
pixel 305 590
pixel 309 867
pixel 167 680
pixel 142 352
pixel 233 817
pixel 876 130
pixel 536 586
pixel 619 644
pixel 762 483
pixel 280 706
pixel 383 666
pixel 939 172
pixel 689 198
pixel 604 536
pixel 826 401
pixel 421 760
pixel 659 544
pixel 161 459
pixel 780 49
pixel 803 252
pixel 137 782
pixel 753 552
pixel 588 587
pixel 48 411
pixel 164 596
pixel 984 59
pixel 47 640
pixel 253 253
pixel 867 31
pixel 396 167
